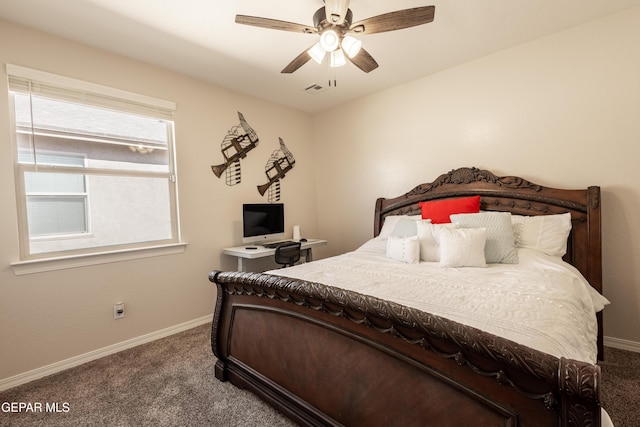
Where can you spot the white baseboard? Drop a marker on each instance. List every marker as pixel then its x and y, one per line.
pixel 622 344
pixel 35 374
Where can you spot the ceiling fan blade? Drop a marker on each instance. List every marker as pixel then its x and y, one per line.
pixel 336 10
pixel 364 61
pixel 297 62
pixel 395 20
pixel 274 24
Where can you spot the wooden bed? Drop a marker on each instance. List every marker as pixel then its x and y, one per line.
pixel 327 356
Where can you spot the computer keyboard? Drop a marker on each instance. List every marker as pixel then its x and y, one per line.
pixel 276 244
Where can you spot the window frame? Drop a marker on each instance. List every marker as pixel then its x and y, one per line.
pixel 100 96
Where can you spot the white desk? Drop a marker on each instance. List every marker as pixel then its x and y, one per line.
pixel 241 252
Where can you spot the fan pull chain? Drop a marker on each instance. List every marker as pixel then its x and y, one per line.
pixel 334 74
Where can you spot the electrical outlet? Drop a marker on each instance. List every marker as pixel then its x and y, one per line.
pixel 118 310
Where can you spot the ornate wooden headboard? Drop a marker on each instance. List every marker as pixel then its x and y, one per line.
pixel 521 197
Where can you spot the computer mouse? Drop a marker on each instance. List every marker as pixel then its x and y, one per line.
pixel 303 240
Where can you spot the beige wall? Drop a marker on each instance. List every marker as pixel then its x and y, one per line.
pixel 53 316
pixel 561 111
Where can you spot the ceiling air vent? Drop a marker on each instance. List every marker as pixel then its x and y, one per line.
pixel 314 88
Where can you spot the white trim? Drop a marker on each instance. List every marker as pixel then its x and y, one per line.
pixel 83 260
pixel 622 344
pixel 44 371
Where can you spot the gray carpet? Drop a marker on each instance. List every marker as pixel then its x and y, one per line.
pixel 621 386
pixel 170 382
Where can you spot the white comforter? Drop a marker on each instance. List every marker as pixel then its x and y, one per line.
pixel 541 302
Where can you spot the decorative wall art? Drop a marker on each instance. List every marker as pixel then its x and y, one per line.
pixel 239 141
pixel 280 162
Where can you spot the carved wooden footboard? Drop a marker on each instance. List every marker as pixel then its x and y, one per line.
pixel 326 356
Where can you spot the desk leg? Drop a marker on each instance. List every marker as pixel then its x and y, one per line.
pixel 308 257
pixel 240 266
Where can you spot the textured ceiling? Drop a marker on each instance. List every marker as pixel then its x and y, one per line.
pixel 200 38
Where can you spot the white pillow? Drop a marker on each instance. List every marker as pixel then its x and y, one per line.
pixel 407 226
pixel 429 238
pixel 500 247
pixel 404 249
pixel 545 233
pixel 462 247
pixel 391 221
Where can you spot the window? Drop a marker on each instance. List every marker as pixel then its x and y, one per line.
pixel 56 202
pixel 94 167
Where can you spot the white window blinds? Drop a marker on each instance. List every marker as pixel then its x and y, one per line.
pixel 26 80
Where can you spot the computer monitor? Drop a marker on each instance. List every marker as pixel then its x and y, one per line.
pixel 262 222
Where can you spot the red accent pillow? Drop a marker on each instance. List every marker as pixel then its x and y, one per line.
pixel 439 210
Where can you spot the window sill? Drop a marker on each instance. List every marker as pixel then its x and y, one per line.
pixel 61 263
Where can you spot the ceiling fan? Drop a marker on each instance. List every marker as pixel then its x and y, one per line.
pixel 334 23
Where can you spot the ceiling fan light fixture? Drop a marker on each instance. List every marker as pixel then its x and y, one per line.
pixel 337 58
pixel 333 23
pixel 317 53
pixel 329 40
pixel 351 46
